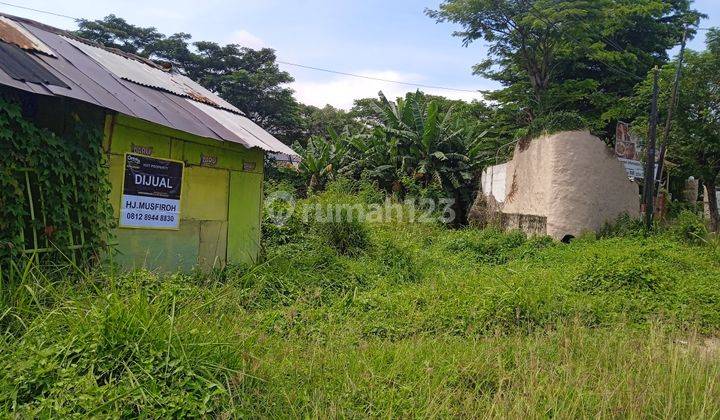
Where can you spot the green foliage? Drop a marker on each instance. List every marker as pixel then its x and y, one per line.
pixel 281 224
pixel 413 147
pixel 317 122
pixel 341 225
pixel 491 246
pixel 571 55
pixel 323 158
pixel 425 146
pixel 675 207
pixel 425 321
pixel 624 226
pixel 141 349
pixel 690 228
pixel 73 178
pixel 556 122
pixel 696 125
pixel 604 276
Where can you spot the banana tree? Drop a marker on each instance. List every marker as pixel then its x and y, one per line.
pixel 425 144
pixel 323 158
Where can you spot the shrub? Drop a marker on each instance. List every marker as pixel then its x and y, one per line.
pixel 556 122
pixel 623 226
pixel 338 219
pixel 676 207
pixel 602 276
pixel 690 228
pixel 493 246
pixel 344 231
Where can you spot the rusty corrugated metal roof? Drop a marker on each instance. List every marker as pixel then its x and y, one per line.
pixel 13 33
pixel 168 99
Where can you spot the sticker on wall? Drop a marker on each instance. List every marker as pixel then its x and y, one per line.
pixel 208 160
pixel 151 193
pixel 142 150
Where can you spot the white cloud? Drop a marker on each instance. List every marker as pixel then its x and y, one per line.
pixel 340 91
pixel 246 39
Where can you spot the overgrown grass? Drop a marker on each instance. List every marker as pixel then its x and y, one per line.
pixel 418 321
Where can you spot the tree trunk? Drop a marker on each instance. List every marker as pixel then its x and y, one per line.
pixel 313 184
pixel 712 205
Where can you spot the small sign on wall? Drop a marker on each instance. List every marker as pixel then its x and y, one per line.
pixel 206 160
pixel 635 169
pixel 151 193
pixel 142 150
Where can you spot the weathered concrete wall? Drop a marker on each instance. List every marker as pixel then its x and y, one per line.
pixel 528 179
pixel 532 225
pixel 573 180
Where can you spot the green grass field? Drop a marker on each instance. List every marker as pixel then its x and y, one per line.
pixel 418 321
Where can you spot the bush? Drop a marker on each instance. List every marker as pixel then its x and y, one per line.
pixel 690 228
pixel 676 207
pixel 344 231
pixel 338 219
pixel 555 123
pixel 623 226
pixel 493 246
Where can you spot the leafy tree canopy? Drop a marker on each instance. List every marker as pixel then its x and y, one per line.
pixel 577 56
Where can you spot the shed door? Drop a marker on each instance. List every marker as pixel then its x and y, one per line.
pixel 243 244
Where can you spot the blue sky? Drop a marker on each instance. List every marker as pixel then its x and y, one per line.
pixel 390 39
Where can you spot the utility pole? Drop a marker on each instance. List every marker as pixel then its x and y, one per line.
pixel 671 109
pixel 650 153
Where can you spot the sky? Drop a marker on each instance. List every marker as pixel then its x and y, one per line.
pixel 390 39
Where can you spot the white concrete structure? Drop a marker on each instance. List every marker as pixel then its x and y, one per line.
pixel 572 180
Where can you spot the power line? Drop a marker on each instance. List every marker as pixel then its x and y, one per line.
pixel 360 76
pixel 39 11
pixel 379 79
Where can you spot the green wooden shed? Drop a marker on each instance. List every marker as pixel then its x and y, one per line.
pixel 186 167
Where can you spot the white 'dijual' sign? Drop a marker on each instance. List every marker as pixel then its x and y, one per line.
pixel 151 193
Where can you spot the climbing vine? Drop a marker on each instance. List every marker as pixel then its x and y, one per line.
pixel 70 178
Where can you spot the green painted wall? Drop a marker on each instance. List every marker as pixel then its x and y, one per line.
pixel 220 207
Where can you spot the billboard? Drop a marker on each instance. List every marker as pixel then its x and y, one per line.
pixel 629 151
pixel 627 146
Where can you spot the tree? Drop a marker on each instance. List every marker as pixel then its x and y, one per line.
pixel 697 140
pixel 695 137
pixel 323 158
pixel 577 56
pixel 314 121
pixel 116 32
pixel 249 79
